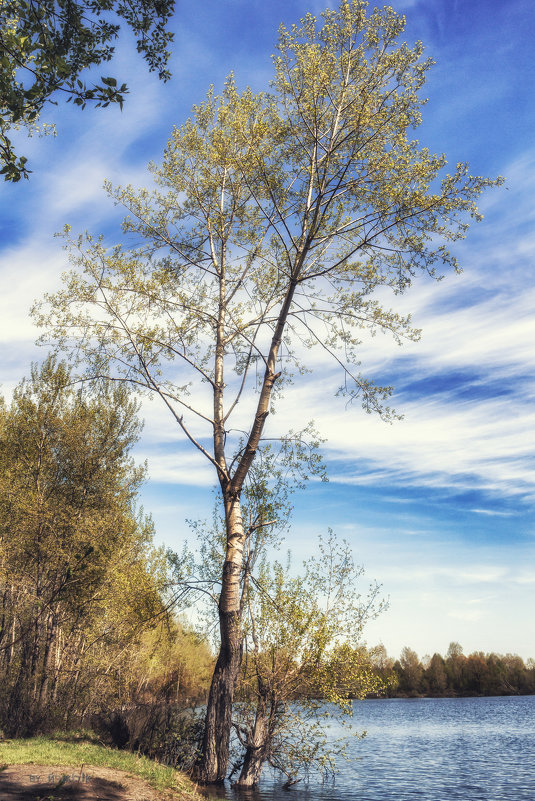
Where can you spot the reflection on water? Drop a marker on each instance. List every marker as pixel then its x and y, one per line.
pixel 430 749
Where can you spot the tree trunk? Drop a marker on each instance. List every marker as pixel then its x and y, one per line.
pixel 51 627
pixel 255 754
pixel 212 765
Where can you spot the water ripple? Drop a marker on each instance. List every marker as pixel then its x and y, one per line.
pixel 471 749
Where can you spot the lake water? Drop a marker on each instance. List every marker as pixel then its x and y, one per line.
pixel 471 749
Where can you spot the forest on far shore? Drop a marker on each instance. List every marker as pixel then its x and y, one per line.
pixel 455 674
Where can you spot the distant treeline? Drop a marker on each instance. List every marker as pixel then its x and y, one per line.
pixel 455 674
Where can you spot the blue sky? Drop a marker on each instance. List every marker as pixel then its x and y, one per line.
pixel 438 507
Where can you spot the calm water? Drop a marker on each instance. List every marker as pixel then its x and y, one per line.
pixel 472 749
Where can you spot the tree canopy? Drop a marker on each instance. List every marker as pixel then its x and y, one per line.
pixel 279 221
pixel 46 45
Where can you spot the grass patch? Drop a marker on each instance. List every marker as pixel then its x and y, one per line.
pixel 74 749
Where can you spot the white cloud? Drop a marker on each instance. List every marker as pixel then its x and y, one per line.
pixel 467 615
pixel 440 442
pixel 183 467
pixel 491 512
pixel 26 272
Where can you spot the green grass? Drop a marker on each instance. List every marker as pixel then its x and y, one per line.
pixel 76 749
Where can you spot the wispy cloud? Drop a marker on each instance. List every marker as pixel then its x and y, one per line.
pixel 492 513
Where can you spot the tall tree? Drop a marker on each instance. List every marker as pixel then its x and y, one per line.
pixel 435 675
pixel 277 220
pixel 46 45
pixel 411 672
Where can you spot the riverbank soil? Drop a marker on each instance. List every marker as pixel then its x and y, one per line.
pixel 60 783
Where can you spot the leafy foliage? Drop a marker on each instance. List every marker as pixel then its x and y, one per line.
pixel 79 578
pixel 172 664
pixel 164 680
pixel 46 45
pixel 304 662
